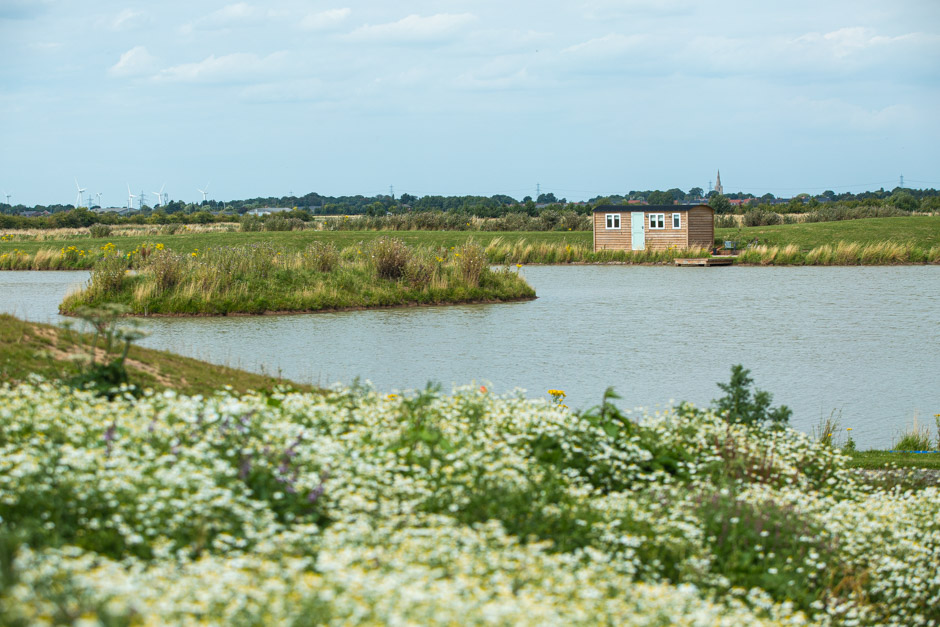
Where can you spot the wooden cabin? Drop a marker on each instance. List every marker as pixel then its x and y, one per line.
pixel 653 227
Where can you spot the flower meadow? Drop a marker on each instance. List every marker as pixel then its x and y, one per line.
pixel 354 507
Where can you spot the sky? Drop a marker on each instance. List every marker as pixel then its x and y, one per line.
pixel 580 98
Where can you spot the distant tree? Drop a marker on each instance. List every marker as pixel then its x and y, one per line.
pixel 546 198
pixel 677 194
pixel 695 192
pixel 407 199
pixel 659 198
pixel 903 200
pixel 768 197
pixel 720 204
pixel 829 194
pixel 527 199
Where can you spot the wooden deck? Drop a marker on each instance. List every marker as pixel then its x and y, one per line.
pixel 706 262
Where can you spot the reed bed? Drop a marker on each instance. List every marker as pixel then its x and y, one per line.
pixel 500 251
pixel 841 254
pixel 115 230
pixel 260 278
pixel 506 251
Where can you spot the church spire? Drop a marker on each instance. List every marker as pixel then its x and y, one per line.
pixel 718 187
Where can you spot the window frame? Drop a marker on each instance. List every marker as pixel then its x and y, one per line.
pixel 677 220
pixel 612 221
pixel 657 219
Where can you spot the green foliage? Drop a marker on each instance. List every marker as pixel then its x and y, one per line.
pixel 471 262
pixel 99 230
pixel 720 204
pixel 828 429
pixel 107 277
pixel 248 224
pixel 391 257
pixel 914 438
pixel 323 256
pixel 768 545
pixel 760 217
pixel 741 405
pixel 101 367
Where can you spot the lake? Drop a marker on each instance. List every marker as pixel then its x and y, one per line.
pixel 861 342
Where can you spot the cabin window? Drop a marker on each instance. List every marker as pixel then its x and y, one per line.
pixel 657 220
pixel 613 220
pixel 677 220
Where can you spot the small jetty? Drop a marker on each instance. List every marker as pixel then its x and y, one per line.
pixel 706 262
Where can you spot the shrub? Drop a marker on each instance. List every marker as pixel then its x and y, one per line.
pixel 99 230
pixel 322 256
pixel 277 223
pixel 767 545
pixel 915 438
pixel 108 274
pixel 250 224
pixel 725 221
pixel 471 262
pixel 419 272
pixel 390 257
pixel 102 368
pixel 166 268
pixel 759 217
pixel 296 224
pixel 740 406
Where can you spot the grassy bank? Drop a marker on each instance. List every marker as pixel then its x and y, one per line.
pixel 260 278
pixel 54 353
pixel 359 508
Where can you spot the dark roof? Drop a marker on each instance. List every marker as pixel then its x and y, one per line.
pixel 656 208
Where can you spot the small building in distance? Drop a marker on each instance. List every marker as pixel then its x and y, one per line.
pixel 653 227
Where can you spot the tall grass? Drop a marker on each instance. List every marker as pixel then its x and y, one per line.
pixel 261 278
pixel 841 254
pixel 914 438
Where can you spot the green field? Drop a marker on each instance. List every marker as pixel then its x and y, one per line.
pixel 921 231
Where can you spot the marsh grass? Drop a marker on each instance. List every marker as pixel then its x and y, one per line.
pixel 914 438
pixel 261 278
pixel 829 429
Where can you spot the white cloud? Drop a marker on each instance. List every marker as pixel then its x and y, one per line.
pixel 493 79
pixel 230 68
pixel 324 20
pixel 611 45
pixel 127 19
pixel 134 62
pixel 238 14
pixel 414 29
pixel 608 9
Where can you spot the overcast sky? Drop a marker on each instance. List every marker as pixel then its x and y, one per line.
pixel 465 97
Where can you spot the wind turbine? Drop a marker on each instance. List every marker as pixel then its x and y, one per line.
pixel 130 197
pixel 98 197
pixel 204 192
pixel 159 195
pixel 81 190
pixel 9 196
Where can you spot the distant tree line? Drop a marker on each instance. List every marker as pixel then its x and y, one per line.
pixel 457 210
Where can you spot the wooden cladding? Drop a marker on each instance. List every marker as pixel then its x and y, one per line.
pixel 696 228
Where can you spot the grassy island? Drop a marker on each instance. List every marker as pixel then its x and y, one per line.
pixel 259 278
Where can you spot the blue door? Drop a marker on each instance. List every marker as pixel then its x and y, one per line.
pixel 636 230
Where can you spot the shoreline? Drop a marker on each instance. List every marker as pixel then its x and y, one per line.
pixel 289 312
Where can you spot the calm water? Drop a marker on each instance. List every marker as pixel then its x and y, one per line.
pixel 860 341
